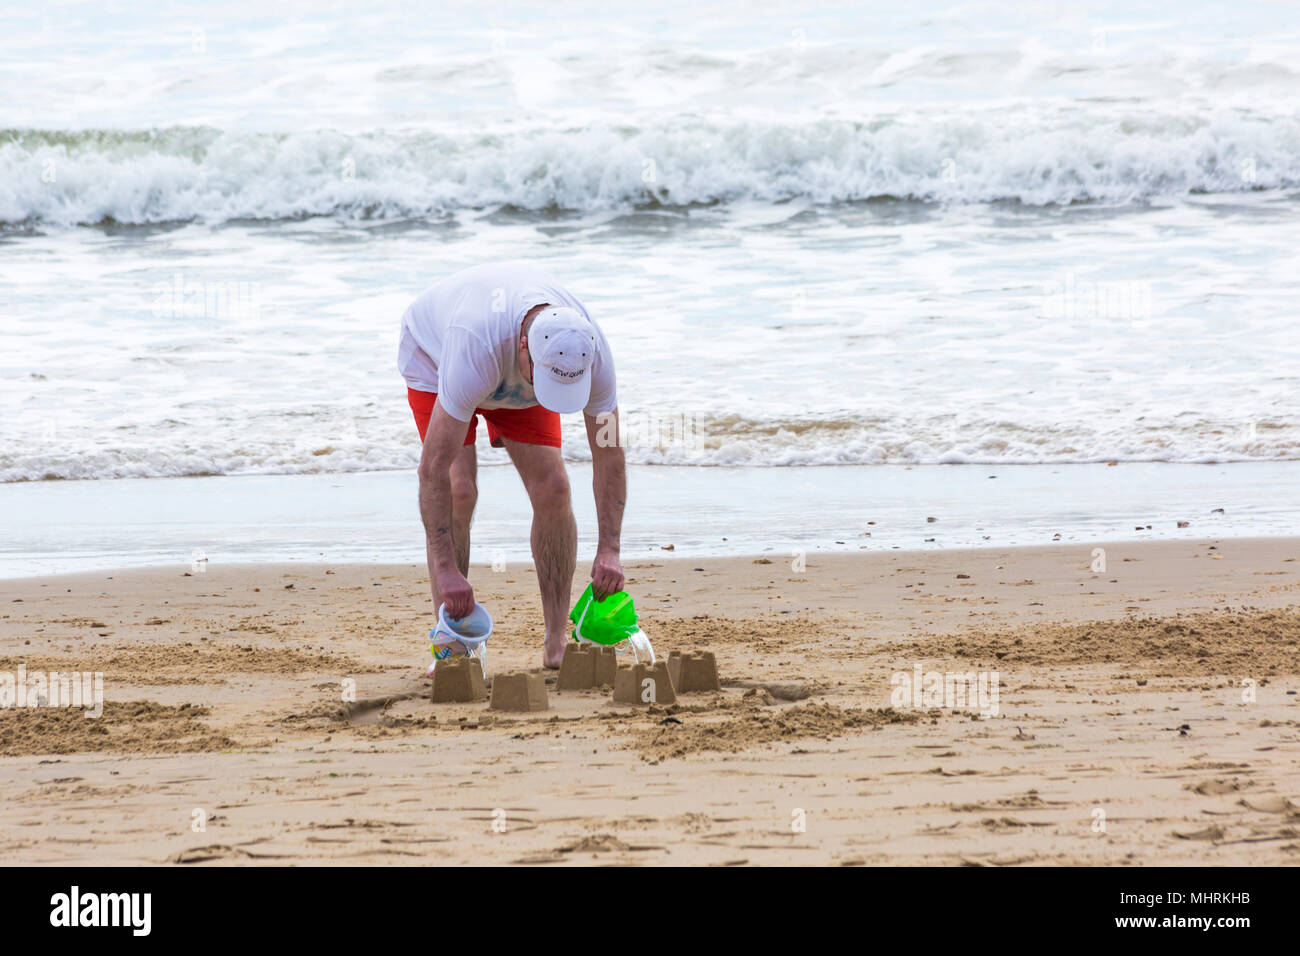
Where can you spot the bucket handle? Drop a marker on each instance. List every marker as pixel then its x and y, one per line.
pixel 577 627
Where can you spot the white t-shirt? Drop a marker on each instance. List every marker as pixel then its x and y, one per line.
pixel 460 338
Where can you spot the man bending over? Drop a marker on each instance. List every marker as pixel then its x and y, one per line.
pixel 505 341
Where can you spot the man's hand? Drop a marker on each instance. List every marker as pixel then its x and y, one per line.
pixel 606 575
pixel 456 593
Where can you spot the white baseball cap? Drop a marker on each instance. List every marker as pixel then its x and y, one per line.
pixel 562 344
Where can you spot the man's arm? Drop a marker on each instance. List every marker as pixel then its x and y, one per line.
pixel 442 443
pixel 609 482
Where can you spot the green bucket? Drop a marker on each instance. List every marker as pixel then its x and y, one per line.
pixel 608 622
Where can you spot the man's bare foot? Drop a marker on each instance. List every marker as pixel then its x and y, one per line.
pixel 553 652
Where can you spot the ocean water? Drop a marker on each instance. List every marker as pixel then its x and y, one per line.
pixel 789 515
pixel 867 234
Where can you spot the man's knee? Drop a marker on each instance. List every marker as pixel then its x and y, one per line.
pixel 551 490
pixel 464 495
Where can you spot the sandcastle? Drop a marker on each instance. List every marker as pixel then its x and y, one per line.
pixel 519 691
pixel 693 671
pixel 586 666
pixel 644 684
pixel 458 680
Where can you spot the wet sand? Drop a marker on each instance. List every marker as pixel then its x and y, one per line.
pixel 1124 731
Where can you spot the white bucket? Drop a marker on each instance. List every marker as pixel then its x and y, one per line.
pixel 462 637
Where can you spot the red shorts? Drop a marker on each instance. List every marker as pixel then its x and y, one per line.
pixel 531 426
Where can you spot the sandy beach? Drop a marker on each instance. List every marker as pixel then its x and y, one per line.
pixel 1124 731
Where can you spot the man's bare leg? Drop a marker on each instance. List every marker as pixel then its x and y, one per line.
pixel 464 497
pixel 554 536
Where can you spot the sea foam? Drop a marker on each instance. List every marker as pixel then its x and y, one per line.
pixel 1105 154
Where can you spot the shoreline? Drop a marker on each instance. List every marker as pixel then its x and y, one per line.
pixel 1169 576
pixel 370 517
pixel 1260 548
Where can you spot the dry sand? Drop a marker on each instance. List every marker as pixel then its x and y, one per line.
pixel 1121 704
